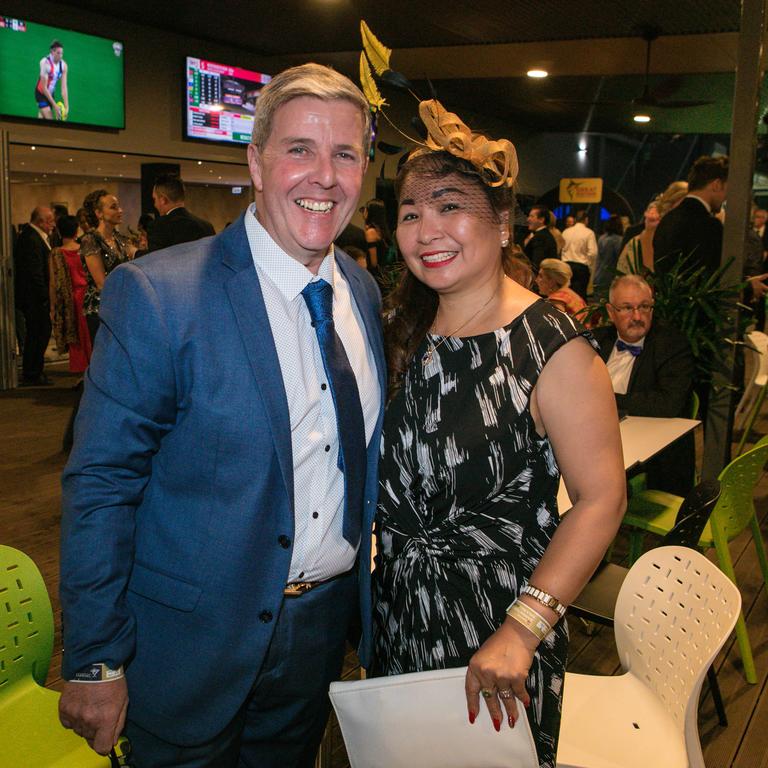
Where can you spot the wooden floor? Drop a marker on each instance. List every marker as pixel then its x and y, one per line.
pixel 32 422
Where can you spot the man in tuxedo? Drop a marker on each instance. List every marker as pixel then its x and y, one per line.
pixel 219 499
pixel 540 244
pixel 30 261
pixel 759 218
pixel 690 231
pixel 175 224
pixel 651 368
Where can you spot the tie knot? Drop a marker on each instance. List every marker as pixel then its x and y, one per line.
pixel 319 298
pixel 633 349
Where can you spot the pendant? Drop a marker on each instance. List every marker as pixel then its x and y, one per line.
pixel 427 358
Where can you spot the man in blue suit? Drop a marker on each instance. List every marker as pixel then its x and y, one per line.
pixel 218 502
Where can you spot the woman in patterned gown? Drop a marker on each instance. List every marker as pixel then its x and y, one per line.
pixel 493 393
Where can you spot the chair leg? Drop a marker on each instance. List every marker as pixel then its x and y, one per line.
pixel 757 537
pixel 635 546
pixel 753 412
pixel 717 699
pixel 742 637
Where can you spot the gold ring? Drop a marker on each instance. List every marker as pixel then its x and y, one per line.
pixel 486 693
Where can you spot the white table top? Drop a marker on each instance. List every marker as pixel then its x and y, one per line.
pixel 642 437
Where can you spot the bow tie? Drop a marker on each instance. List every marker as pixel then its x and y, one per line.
pixel 633 349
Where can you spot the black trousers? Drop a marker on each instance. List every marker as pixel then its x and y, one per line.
pixel 38 325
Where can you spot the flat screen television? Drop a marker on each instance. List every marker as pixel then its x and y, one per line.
pixel 220 101
pixel 54 74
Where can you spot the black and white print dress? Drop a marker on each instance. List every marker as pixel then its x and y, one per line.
pixel 468 504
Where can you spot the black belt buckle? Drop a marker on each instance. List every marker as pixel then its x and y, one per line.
pixel 298 588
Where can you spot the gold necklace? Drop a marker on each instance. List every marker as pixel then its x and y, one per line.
pixel 427 358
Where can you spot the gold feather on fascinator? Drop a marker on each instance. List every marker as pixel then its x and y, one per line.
pixel 378 53
pixel 370 89
pixel 445 131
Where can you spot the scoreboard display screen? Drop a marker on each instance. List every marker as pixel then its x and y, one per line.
pixel 221 101
pixel 56 75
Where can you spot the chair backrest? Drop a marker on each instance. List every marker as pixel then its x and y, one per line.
pixel 693 515
pixel 674 612
pixel 735 506
pixel 693 406
pixel 759 341
pixel 26 620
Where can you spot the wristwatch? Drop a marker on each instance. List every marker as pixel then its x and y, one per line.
pixel 544 598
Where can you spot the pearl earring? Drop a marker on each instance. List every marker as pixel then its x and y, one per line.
pixel 505 242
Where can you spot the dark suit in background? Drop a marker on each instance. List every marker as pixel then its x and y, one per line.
pixel 541 246
pixel 177 226
pixel 660 385
pixel 689 231
pixel 30 259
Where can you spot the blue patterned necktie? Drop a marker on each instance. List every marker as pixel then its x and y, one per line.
pixel 346 402
pixel 633 349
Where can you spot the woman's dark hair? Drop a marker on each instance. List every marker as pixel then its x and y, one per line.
pixel 146 220
pixel 614 226
pixel 91 205
pixel 412 305
pixel 376 216
pixel 67 226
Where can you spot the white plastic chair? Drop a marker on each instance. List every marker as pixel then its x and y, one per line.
pixel 674 612
pixel 755 380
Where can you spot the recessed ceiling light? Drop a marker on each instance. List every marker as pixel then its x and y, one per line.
pixel 642 118
pixel 33 147
pixel 123 155
pixel 199 162
pixel 70 160
pixel 537 73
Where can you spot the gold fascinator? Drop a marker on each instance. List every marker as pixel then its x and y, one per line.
pixel 496 160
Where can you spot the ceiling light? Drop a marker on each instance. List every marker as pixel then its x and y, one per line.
pixel 33 147
pixel 642 118
pixel 70 160
pixel 123 155
pixel 537 73
pixel 199 162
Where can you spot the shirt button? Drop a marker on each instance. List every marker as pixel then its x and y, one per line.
pixel 315 515
pixel 266 616
pixel 301 575
pixel 323 387
pixel 284 541
pixel 327 448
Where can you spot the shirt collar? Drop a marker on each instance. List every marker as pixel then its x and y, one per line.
pixel 288 275
pixel 640 343
pixel 175 208
pixel 703 202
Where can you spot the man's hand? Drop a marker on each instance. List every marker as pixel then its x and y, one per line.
pixel 95 711
pixel 759 288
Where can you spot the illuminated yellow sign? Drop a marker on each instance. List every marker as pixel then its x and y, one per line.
pixel 581 190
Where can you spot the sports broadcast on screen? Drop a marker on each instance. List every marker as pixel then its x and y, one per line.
pixel 221 101
pixel 57 75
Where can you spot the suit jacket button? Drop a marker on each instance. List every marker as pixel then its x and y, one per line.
pixel 266 616
pixel 284 541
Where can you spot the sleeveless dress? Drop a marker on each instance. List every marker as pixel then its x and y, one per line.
pixel 467 506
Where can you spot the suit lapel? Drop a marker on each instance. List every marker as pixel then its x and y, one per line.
pixel 247 300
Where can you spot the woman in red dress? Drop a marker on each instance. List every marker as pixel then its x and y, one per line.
pixel 68 284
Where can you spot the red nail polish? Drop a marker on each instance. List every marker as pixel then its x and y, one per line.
pixel 511 721
pixel 527 703
pixel 472 717
pixel 497 724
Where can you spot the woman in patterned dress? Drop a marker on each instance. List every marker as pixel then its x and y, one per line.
pixel 493 392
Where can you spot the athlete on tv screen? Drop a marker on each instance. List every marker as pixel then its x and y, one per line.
pixel 53 70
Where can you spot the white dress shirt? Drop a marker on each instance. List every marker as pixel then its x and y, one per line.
pixel 580 245
pixel 620 366
pixel 43 234
pixel 320 550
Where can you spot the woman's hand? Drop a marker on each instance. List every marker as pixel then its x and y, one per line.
pixel 501 666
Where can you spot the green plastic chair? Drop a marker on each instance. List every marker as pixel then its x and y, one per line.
pixel 30 732
pixel 655 511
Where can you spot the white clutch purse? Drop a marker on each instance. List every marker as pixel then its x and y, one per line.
pixel 420 721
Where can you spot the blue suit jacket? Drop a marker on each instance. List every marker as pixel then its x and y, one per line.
pixel 181 481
